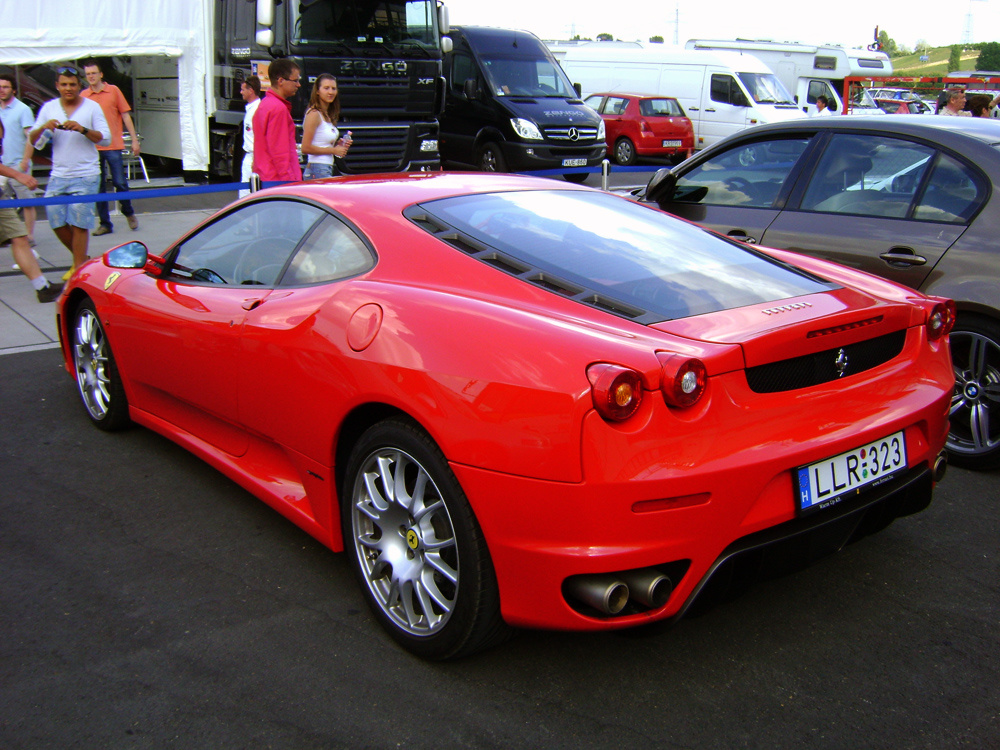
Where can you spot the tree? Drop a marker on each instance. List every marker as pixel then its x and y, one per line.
pixel 887 44
pixel 656 40
pixel 605 37
pixel 989 57
pixel 955 58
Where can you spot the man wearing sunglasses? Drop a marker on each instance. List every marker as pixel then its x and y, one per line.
pixel 76 125
pixel 275 157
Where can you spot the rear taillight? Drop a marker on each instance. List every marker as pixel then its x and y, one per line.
pixel 644 126
pixel 941 320
pixel 616 390
pixel 682 379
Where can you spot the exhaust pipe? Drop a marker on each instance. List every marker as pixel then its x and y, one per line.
pixel 606 593
pixel 648 587
pixel 940 467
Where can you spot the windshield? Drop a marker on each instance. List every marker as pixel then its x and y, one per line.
pixel 535 77
pixel 623 251
pixel 765 88
pixel 364 23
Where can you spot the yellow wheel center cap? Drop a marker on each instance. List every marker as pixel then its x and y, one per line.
pixel 412 539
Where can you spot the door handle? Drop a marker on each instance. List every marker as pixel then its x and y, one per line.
pixel 251 304
pixel 902 257
pixel 710 110
pixel 739 234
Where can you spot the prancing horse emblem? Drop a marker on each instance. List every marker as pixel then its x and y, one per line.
pixel 841 363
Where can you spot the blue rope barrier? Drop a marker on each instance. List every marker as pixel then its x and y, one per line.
pixel 137 195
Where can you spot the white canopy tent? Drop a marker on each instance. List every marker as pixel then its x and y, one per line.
pixel 56 31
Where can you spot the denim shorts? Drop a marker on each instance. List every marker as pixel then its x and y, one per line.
pixel 317 171
pixel 75 214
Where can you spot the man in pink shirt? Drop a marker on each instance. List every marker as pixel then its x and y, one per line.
pixel 275 157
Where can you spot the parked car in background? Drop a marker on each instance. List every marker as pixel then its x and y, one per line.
pixel 520 402
pixel 913 199
pixel 915 105
pixel 649 126
pixel 895 106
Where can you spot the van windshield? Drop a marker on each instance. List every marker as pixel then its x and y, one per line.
pixel 512 76
pixel 765 88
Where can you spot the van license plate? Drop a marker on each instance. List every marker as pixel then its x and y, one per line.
pixel 671 144
pixel 574 162
pixel 827 482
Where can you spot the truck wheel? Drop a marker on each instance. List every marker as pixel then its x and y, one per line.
pixel 625 152
pixel 491 158
pixel 416 547
pixel 974 439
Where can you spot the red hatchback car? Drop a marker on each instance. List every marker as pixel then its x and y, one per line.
pixel 517 402
pixel 640 125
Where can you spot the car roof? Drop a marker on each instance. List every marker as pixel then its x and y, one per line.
pixel 981 129
pixel 631 95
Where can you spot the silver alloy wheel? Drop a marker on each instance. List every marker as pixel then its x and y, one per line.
pixel 624 152
pixel 975 405
pixel 90 355
pixel 405 542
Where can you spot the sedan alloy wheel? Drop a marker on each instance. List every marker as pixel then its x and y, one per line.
pixel 974 440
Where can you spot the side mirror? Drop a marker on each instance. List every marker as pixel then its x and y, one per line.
pixel 660 188
pixel 130 255
pixel 578 89
pixel 471 89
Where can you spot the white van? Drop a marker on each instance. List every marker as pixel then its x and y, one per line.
pixel 722 92
pixel 807 70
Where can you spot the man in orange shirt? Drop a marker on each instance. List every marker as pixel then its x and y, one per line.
pixel 116 111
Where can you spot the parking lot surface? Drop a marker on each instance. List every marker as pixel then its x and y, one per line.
pixel 147 601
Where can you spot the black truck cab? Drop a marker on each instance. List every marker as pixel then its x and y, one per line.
pixel 510 107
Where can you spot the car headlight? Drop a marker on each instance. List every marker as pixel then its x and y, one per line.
pixel 526 129
pixel 600 131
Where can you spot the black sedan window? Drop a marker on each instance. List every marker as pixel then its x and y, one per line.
pixel 248 246
pixel 595 246
pixel 867 175
pixel 749 175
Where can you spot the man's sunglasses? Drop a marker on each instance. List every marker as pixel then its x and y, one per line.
pixel 69 71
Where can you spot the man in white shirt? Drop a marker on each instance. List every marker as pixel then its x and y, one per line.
pixel 955 105
pixel 76 126
pixel 822 107
pixel 250 90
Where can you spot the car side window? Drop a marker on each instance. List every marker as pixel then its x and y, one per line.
pixel 954 193
pixel 594 102
pixel 867 175
pixel 749 175
pixel 331 251
pixel 615 105
pixel 248 246
pixel 462 68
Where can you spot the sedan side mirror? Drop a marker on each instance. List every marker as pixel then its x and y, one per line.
pixel 660 188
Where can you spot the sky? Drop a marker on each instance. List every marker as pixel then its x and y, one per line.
pixel 850 23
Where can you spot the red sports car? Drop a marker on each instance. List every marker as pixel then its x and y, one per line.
pixel 640 125
pixel 516 402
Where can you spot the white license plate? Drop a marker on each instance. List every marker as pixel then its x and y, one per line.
pixel 671 144
pixel 574 162
pixel 831 480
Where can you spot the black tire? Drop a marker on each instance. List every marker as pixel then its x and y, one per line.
pixel 491 158
pixel 96 371
pixel 416 547
pixel 974 440
pixel 625 152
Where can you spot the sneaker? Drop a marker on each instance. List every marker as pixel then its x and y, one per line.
pixel 49 293
pixel 101 230
pixel 133 223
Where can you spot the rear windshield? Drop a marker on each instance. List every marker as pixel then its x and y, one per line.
pixel 621 250
pixel 660 107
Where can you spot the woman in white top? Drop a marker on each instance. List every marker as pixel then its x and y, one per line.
pixel 321 140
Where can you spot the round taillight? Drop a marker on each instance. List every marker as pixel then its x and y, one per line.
pixel 616 391
pixel 941 319
pixel 682 379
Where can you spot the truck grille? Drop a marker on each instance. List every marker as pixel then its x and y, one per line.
pixel 564 134
pixel 822 367
pixel 376 148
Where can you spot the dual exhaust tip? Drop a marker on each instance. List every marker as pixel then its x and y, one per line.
pixel 610 592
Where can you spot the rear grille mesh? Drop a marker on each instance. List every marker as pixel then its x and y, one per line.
pixel 822 367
